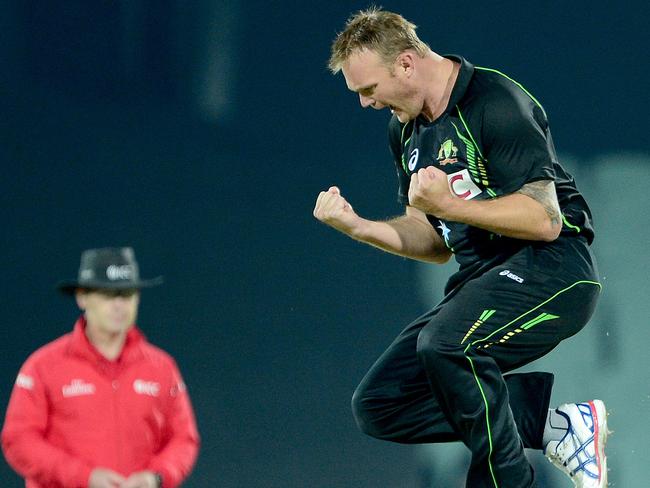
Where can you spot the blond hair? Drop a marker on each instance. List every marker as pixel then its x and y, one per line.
pixel 386 33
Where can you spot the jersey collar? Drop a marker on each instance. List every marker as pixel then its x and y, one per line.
pixel 81 346
pixel 462 81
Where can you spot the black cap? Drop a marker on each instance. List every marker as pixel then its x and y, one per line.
pixel 112 268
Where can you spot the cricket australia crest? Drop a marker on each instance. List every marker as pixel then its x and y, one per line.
pixel 447 153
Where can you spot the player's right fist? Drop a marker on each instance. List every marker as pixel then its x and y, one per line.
pixel 105 478
pixel 334 210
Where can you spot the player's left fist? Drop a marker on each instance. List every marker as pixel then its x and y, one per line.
pixel 141 479
pixel 429 191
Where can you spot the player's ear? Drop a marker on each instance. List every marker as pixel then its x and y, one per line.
pixel 404 64
pixel 80 297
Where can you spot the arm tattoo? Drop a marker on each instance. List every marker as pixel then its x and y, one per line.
pixel 543 192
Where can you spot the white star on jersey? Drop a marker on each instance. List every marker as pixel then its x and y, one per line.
pixel 445 232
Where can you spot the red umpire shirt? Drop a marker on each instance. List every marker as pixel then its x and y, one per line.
pixel 73 410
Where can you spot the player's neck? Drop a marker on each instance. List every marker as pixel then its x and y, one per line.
pixel 109 344
pixel 439 83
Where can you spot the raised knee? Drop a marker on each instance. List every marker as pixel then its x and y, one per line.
pixel 367 414
pixel 434 349
pixel 429 343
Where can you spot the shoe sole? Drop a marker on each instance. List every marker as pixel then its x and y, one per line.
pixel 599 413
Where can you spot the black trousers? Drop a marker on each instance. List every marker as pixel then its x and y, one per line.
pixel 442 379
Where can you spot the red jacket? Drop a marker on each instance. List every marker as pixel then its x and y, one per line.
pixel 72 410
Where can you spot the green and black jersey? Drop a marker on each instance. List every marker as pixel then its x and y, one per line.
pixel 491 140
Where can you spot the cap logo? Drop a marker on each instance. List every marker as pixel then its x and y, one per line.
pixel 123 272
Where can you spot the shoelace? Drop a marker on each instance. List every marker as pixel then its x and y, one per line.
pixel 582 465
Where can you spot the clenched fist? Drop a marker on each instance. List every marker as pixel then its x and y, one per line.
pixel 141 479
pixel 334 210
pixel 429 191
pixel 105 478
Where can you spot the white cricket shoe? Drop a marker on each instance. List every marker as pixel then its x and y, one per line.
pixel 581 452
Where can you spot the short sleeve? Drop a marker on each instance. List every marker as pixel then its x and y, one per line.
pixel 515 139
pixel 395 144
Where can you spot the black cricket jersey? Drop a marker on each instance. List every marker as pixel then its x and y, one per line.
pixel 491 140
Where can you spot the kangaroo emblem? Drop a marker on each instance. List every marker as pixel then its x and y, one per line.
pixel 447 153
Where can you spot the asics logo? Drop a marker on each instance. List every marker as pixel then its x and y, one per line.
pixel 413 159
pixel 511 275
